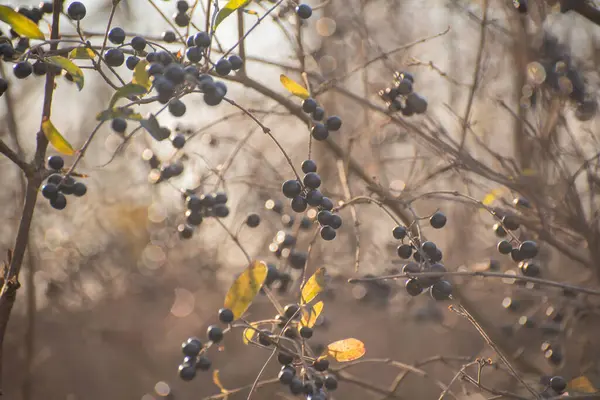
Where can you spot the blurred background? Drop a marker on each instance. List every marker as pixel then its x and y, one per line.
pixel 110 291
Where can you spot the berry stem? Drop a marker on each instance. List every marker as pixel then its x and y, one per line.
pixel 110 18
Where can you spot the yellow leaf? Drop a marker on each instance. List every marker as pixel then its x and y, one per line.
pixel 217 381
pixel 128 90
pixel 56 139
pixel 490 197
pixel 315 285
pixel 82 53
pixel 249 333
pixel 309 318
pixel 529 172
pixel 346 350
pixel 293 87
pixel 20 23
pixel 581 384
pixel 71 68
pixel 230 7
pixel 245 288
pixel 140 75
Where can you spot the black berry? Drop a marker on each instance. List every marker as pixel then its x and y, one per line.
pixel 214 333
pixel 76 11
pixel 438 220
pixel 56 162
pixel 333 123
pixel 304 11
pixel 22 69
pixel 225 315
pixel 116 35
pixel 253 220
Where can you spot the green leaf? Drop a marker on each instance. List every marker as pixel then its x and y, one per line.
pixel 293 87
pixel 309 318
pixel 56 139
pixel 81 53
pixel 70 67
pixel 315 285
pixel 20 23
pixel 153 127
pixel 229 8
pixel 129 90
pixel 245 288
pixel 346 350
pixel 118 112
pixel 140 75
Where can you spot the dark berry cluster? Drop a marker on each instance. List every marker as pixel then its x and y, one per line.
pixel 307 193
pixel 200 207
pixel 320 130
pixel 427 258
pixel 401 96
pixel 57 185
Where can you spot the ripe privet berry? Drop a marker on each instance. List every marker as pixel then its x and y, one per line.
pixel 119 125
pixel 178 141
pixel 175 73
pixel 116 35
pixel 284 358
pixel 138 43
pixel 306 332
pixel 202 39
pixel 79 189
pixel 182 6
pixel 55 179
pixel 76 11
pixel 309 166
pixel 22 69
pixel 309 105
pixel 510 222
pixel 181 19
pixel 225 315
pixel 46 7
pixel 299 204
pixel 528 249
pixel 221 210
pixel 203 363
pixel 154 69
pixel 429 248
pixel 326 203
pixel 169 36
pixel 404 251
pixel 318 114
pixel 187 372
pixel 131 62
pixel 56 162
pixel 333 123
pixel 558 384
pixel 291 311
pixel 185 231
pixel 437 220
pixel 304 11
pixel 220 198
pixel 321 365
pixel 236 62
pixel 223 67
pixel 296 386
pixel 312 180
pixel 404 87
pixel 335 222
pixel 530 269
pixel 330 383
pixel 191 347
pixel 40 68
pixel 291 188
pixel 516 256
pixel 193 218
pixel 504 247
pixel 411 267
pixel 214 333
pixel 521 202
pixel 114 57
pixel 177 108
pixel 286 375
pixel 59 201
pixel 264 339
pixel 520 5
pixel 441 290
pixel 319 131
pixel 413 287
pixel 253 220
pixel 399 232
pixel 49 191
pixel 314 197
pixel 499 230
pixel 324 217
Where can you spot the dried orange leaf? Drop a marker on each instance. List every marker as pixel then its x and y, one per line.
pixel 293 87
pixel 245 288
pixel 217 381
pixel 56 139
pixel 309 317
pixel 582 384
pixel 20 23
pixel 315 285
pixel 346 350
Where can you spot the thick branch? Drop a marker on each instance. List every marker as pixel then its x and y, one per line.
pixel 583 8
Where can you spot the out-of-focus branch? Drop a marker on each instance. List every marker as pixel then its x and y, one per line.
pixel 14 157
pixel 583 8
